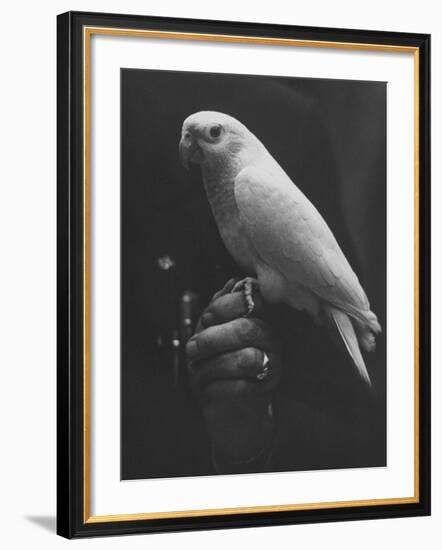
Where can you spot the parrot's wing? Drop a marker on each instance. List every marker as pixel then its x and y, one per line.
pixel 290 235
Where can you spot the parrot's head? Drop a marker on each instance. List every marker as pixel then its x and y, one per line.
pixel 209 136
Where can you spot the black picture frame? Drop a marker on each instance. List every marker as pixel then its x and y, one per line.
pixel 73 520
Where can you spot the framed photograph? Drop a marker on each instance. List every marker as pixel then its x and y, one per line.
pixel 243 274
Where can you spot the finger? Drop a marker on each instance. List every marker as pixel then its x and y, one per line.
pixel 236 370
pixel 228 307
pixel 226 288
pixel 224 291
pixel 237 334
pixel 244 363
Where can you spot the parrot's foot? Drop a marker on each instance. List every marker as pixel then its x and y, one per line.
pixel 246 286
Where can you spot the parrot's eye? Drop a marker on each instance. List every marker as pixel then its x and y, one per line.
pixel 215 131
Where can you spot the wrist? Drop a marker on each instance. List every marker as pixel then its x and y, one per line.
pixel 257 458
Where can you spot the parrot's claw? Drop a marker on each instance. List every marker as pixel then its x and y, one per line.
pixel 246 286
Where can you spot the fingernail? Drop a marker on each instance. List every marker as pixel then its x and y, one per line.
pixel 191 348
pixel 207 319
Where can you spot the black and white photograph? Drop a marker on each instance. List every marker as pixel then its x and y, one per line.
pixel 217 306
pixel 243 270
pixel 253 274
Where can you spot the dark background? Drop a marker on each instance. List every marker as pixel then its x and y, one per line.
pixel 330 137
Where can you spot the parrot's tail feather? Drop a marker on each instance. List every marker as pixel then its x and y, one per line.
pixel 348 335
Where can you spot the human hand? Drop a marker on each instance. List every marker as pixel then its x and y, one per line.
pixel 233 369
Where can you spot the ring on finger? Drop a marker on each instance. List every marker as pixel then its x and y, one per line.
pixel 265 368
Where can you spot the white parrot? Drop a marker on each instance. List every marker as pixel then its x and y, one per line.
pixel 274 232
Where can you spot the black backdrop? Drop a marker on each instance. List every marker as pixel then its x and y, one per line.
pixel 330 137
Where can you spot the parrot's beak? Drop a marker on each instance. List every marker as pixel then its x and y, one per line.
pixel 189 149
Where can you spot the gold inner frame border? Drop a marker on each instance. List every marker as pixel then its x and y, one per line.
pixel 88 32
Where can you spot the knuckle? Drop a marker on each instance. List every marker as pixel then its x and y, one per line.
pixel 207 318
pixel 247 330
pixel 221 306
pixel 209 341
pixel 191 348
pixel 249 357
pixel 214 309
pixel 214 304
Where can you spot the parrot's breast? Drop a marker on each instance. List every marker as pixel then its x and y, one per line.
pixel 221 196
pixel 238 243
